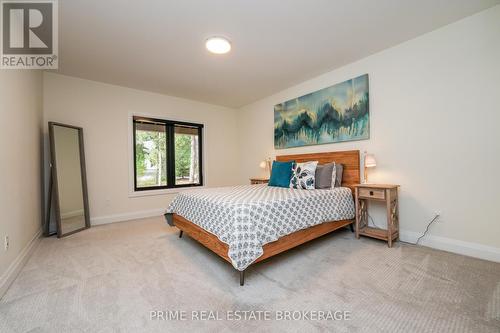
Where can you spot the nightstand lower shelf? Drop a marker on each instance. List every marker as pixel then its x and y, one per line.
pixel 377 233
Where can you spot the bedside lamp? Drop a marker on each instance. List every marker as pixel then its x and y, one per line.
pixel 266 164
pixel 370 162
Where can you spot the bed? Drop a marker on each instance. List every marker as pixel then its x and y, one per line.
pixel 250 223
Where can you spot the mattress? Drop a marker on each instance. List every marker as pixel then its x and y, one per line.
pixel 249 216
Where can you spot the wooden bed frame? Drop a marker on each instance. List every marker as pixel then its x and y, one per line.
pixel 351 177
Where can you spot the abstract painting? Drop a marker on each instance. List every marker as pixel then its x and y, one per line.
pixel 334 114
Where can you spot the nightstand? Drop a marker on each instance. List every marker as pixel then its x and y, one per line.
pixel 259 180
pixel 385 193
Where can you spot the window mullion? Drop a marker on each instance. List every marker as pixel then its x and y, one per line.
pixel 200 155
pixel 170 155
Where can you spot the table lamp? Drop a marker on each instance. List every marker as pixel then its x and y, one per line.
pixel 266 164
pixel 370 162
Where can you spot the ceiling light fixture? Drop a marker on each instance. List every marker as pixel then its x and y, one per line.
pixel 218 45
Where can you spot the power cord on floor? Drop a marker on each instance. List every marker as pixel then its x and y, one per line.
pixel 427 228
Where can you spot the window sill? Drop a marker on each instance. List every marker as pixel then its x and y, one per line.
pixel 136 194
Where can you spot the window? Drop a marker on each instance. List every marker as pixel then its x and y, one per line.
pixel 167 154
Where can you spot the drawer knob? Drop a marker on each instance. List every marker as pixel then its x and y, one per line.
pixel 371 192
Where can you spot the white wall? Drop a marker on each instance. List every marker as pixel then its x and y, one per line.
pixel 104 112
pixel 434 128
pixel 20 166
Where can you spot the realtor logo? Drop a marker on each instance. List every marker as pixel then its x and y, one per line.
pixel 29 34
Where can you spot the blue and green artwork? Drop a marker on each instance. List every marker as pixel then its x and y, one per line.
pixel 334 114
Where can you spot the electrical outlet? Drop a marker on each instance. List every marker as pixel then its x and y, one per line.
pixel 6 244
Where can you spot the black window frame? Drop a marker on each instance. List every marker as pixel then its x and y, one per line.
pixel 170 146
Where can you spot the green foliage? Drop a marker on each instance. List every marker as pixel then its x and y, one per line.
pixel 140 158
pixel 182 155
pixel 151 147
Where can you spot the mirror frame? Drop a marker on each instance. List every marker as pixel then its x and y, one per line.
pixel 55 186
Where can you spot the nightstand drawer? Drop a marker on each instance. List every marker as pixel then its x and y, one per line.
pixel 371 193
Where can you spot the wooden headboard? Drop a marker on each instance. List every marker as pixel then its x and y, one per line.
pixel 349 158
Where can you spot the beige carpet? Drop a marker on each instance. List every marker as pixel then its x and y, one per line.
pixel 109 278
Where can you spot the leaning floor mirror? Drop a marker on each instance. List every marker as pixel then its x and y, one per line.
pixel 68 183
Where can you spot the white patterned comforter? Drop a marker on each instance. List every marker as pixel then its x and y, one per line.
pixel 248 217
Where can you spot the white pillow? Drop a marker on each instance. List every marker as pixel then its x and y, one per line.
pixel 303 175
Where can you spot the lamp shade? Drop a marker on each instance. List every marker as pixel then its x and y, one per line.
pixel 263 164
pixel 370 161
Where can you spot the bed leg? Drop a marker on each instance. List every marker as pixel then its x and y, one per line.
pixel 180 234
pixel 242 278
pixel 351 227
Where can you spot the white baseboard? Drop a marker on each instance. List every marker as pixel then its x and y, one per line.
pixel 11 273
pixel 452 245
pixel 126 216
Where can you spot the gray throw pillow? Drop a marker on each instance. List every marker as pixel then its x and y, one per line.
pixel 340 170
pixel 324 176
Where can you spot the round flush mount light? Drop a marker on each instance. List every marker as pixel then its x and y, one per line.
pixel 218 45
